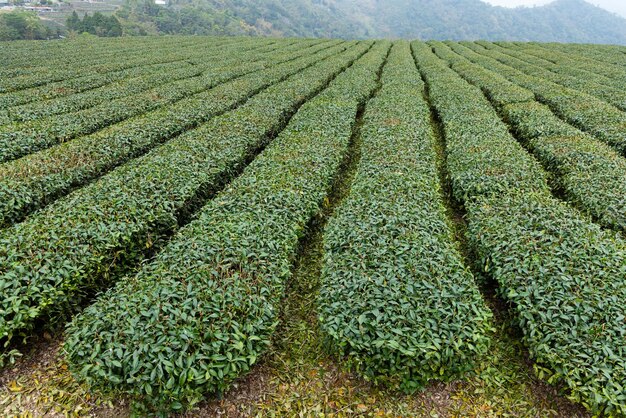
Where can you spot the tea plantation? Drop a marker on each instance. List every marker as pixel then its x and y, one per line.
pixel 177 213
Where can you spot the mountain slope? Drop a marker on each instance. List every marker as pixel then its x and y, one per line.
pixel 560 21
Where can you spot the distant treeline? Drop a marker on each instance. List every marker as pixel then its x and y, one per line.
pixel 296 18
pixel 146 18
pixel 559 21
pixel 98 24
pixel 20 24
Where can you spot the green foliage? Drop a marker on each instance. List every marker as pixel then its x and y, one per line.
pixel 76 162
pixel 83 240
pixel 110 147
pixel 582 110
pixel 591 174
pixel 604 59
pixel 204 310
pixel 98 24
pixel 559 21
pixel 564 275
pixel 75 59
pixel 21 138
pixel 562 21
pixel 235 17
pixel 588 172
pixel 483 159
pixel 131 81
pixel 395 297
pixel 539 64
pixel 42 84
pixel 22 25
pixel 499 90
pixel 567 288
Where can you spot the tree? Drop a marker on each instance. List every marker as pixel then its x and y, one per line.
pixel 114 27
pixel 98 24
pixel 73 22
pixel 22 25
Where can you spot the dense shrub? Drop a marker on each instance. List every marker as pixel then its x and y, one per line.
pixel 565 277
pixel 585 83
pixel 395 298
pixel 31 182
pixel 20 24
pixel 581 69
pixel 118 84
pixel 22 138
pixel 567 282
pixel 75 64
pixel 588 172
pixel 582 110
pixel 98 24
pixel 205 309
pixel 82 239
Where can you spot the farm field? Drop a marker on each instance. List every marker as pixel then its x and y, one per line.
pixel 203 226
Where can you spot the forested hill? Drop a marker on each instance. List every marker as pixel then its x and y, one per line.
pixel 560 21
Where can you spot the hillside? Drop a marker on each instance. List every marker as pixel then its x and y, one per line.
pixel 560 21
pixel 266 227
pixel 566 21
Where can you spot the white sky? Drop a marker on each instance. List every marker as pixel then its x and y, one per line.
pixel 615 6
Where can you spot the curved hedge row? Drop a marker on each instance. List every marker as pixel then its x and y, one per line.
pixel 65 73
pixel 586 112
pixel 395 297
pixel 84 238
pixel 33 181
pixel 159 75
pixel 87 52
pixel 483 159
pixel 67 68
pixel 479 76
pixel 539 67
pixel 20 62
pixel 565 64
pixel 19 139
pixel 193 66
pixel 205 309
pixel 31 65
pixel 62 89
pixel 565 277
pixel 589 172
pixel 567 280
pixel 600 59
pixel 88 81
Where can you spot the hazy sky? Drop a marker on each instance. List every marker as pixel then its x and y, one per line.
pixel 616 6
